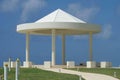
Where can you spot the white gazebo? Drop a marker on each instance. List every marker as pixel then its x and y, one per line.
pixel 58 23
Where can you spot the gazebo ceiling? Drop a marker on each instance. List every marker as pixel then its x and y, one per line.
pixel 62 22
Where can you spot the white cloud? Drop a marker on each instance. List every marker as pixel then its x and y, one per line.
pixel 106 32
pixel 31 6
pixel 82 12
pixel 28 7
pixel 9 5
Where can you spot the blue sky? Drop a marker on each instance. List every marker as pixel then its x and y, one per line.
pixel 106 45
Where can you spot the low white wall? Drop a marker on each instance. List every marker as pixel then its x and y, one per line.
pixel 105 64
pixel 13 64
pixel 47 64
pixel 91 64
pixel 38 66
pixel 27 64
pixel 70 64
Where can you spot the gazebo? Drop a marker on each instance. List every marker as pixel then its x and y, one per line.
pixel 58 23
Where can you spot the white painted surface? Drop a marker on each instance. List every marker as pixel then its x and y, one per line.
pixel 4 63
pixel 9 66
pixel 53 47
pixel 59 21
pixel 91 64
pixel 13 64
pixel 59 16
pixel 62 22
pixel 70 28
pixel 70 64
pixel 47 64
pixel 27 64
pixel 17 69
pixel 105 64
pixel 27 47
pixel 38 66
pixel 6 72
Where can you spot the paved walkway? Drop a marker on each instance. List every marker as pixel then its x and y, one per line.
pixel 87 76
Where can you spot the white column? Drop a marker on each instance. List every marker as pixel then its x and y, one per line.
pixel 6 72
pixel 53 47
pixel 27 47
pixel 9 64
pixel 17 69
pixel 90 48
pixel 63 49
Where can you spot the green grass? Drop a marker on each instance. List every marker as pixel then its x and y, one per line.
pixel 106 71
pixel 38 74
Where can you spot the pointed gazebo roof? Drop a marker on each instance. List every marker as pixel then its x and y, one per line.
pixel 62 22
pixel 59 16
